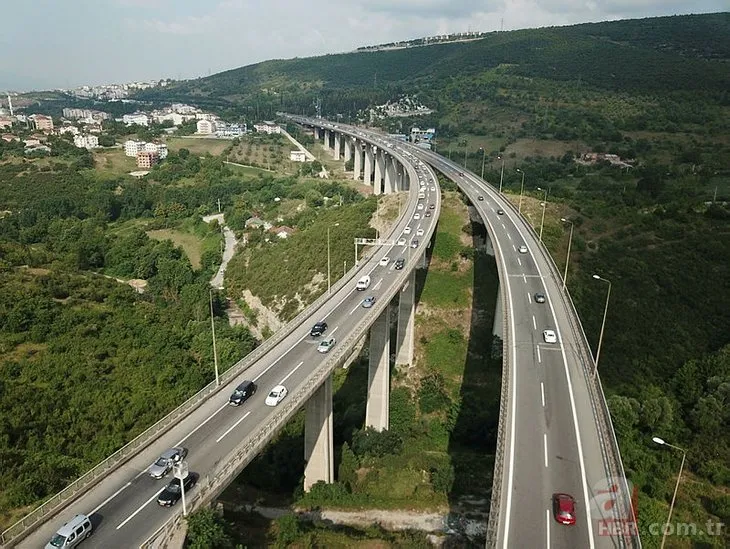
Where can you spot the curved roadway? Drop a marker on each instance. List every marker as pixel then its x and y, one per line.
pixel 123 506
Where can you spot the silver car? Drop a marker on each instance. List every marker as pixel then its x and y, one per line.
pixel 167 459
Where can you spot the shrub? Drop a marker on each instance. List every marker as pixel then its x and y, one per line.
pixel 370 442
pixel 402 411
pixel 432 395
pixel 287 530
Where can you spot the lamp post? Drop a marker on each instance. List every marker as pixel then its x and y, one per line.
pixel 567 257
pixel 484 157
pixel 329 285
pixel 544 204
pixel 522 188
pixel 212 329
pixel 676 487
pixel 603 324
pixel 501 174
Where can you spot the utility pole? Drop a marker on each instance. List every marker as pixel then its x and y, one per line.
pixel 212 329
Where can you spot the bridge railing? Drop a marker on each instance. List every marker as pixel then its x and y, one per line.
pixel 610 450
pixel 228 468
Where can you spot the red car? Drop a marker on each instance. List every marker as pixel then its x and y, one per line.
pixel 564 509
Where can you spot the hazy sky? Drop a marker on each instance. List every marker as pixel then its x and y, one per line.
pixel 65 43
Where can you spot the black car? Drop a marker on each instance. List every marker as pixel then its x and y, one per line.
pixel 242 393
pixel 414 243
pixel 432 206
pixel 539 298
pixel 500 212
pixel 427 214
pixel 480 198
pixel 318 329
pixel 399 263
pixel 172 493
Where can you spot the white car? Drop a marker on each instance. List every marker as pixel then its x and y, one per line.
pixel 419 232
pixel 401 242
pixel 276 395
pixel 326 344
pixel 407 230
pixel 433 188
pixel 549 336
pixel 384 261
pixel 420 207
pixel 523 249
pixel 417 216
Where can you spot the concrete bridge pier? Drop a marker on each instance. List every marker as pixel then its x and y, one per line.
pixel 318 437
pixel 347 143
pixel 369 161
pixel 406 321
pixel 377 410
pixel 317 135
pixel 357 168
pixel 379 165
pixel 338 145
pixel 498 314
pixel 390 175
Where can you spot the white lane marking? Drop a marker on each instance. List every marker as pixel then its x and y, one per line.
pixel 524 279
pixel 529 297
pixel 544 439
pixel 356 307
pixel 115 494
pixel 334 330
pixel 290 373
pixel 547 523
pixel 519 261
pixel 282 355
pixel 514 247
pixel 145 504
pixel 539 358
pixel 378 284
pixel 232 427
pixel 534 323
pixel 509 236
pixel 542 390
pixel 503 226
pixel 199 426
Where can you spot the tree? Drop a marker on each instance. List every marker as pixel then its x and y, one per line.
pixel 347 472
pixel 207 530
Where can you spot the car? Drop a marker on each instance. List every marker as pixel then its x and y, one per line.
pixel 480 198
pixel 326 344
pixel 539 297
pixel 318 329
pixel 432 206
pixel 549 336
pixel 523 249
pixel 419 232
pixel 461 174
pixel 414 244
pixel 172 493
pixel 369 301
pixel 71 534
pixel 564 509
pixel 399 263
pixel 407 230
pixel 276 395
pixel 427 214
pixel 401 242
pixel 243 392
pixel 500 212
pixel 417 216
pixel 363 283
pixel 419 207
pixel 167 459
pixel 433 188
pixel 384 261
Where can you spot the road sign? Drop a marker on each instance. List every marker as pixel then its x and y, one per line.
pixel 180 470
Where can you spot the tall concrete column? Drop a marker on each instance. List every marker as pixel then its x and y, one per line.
pixel 400 169
pixel 390 176
pixel 369 162
pixel 406 321
pixel 316 134
pixel 338 144
pixel 327 136
pixel 357 151
pixel 318 441
pixel 347 142
pixel 379 172
pixel 377 410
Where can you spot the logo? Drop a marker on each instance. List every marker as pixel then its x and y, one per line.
pixel 613 504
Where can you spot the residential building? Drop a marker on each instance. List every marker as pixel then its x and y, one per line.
pixel 132 147
pixel 297 156
pixel 31 142
pixel 146 159
pixel 418 134
pixel 89 114
pixel 282 232
pixel 181 108
pixel 205 127
pixel 73 130
pixel 222 129
pixel 86 141
pixel 6 122
pixel 42 122
pixel 267 127
pixel 160 149
pixel 139 118
pixel 38 148
pixel 9 137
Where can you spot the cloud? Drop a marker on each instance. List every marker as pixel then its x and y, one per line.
pixel 183 26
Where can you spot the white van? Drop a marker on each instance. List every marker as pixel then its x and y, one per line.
pixel 363 283
pixel 421 195
pixel 71 534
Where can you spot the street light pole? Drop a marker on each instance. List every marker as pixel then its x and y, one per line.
pixel 212 329
pixel 544 204
pixel 676 486
pixel 603 324
pixel 329 279
pixel 501 174
pixel 484 157
pixel 522 188
pixel 567 258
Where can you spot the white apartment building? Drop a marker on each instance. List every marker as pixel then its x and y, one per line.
pixel 267 127
pixel 205 127
pixel 174 117
pixel 86 141
pixel 73 130
pixel 139 118
pixel 132 147
pixel 160 149
pixel 181 108
pixel 297 156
